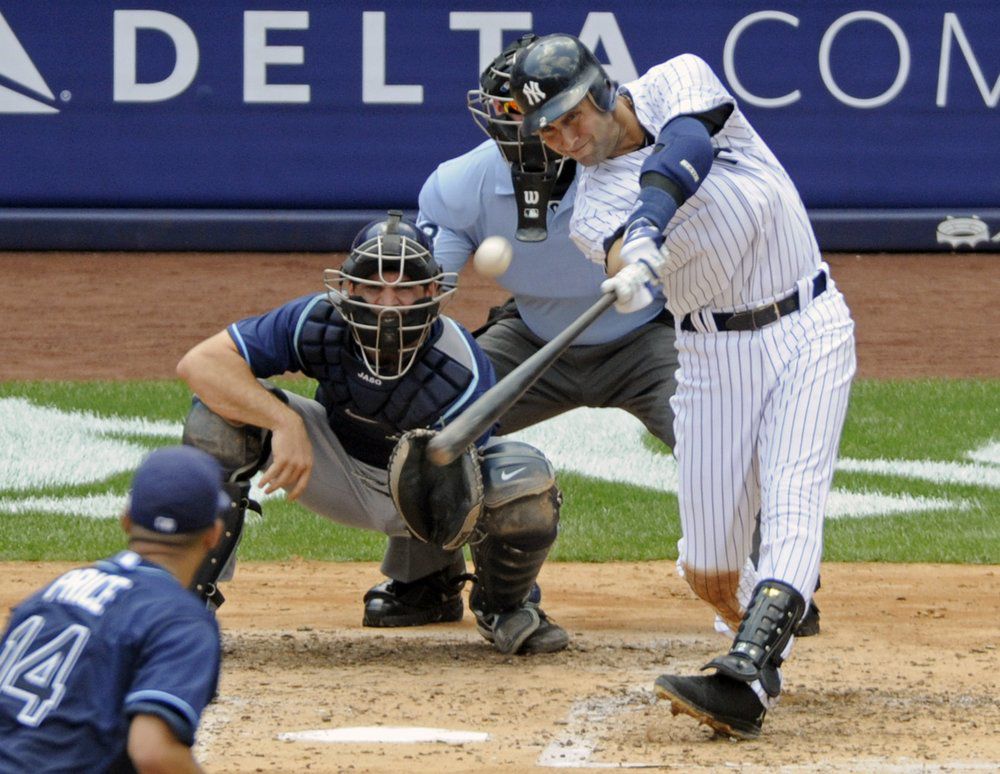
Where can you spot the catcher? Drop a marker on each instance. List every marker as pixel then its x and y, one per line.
pixel 391 370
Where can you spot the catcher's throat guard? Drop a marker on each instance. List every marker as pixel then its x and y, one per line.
pixel 534 167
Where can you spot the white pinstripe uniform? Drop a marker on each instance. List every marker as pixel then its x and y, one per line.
pixel 758 412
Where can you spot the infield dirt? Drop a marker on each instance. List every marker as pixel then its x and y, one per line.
pixel 904 676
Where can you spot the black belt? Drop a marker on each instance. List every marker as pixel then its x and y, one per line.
pixel 754 319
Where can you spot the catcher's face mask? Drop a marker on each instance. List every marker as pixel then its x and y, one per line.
pixel 533 166
pixel 390 292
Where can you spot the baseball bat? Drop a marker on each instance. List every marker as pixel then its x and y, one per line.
pixel 496 401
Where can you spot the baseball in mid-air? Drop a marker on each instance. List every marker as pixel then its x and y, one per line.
pixel 493 256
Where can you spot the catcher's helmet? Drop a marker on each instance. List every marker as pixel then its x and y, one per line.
pixel 552 75
pixel 390 252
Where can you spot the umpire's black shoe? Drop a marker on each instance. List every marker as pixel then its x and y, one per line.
pixel 809 625
pixel 435 598
pixel 727 706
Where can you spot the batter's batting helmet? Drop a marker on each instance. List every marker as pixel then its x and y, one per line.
pixel 534 167
pixel 552 75
pixel 390 252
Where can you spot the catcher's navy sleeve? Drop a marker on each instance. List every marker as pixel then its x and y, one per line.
pixel 267 341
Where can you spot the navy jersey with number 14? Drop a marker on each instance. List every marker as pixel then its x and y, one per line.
pixel 92 649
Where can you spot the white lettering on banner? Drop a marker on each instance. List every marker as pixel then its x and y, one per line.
pixel 602 27
pixel 16 65
pixel 952 27
pixel 257 55
pixel 24 90
pixel 902 73
pixel 729 65
pixel 374 89
pixel 491 26
pixel 126 86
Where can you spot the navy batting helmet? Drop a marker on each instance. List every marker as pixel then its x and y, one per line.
pixel 391 252
pixel 554 74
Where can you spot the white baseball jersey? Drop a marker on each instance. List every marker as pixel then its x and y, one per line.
pixel 742 239
pixel 757 413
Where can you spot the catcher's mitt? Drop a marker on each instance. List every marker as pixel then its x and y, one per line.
pixel 440 504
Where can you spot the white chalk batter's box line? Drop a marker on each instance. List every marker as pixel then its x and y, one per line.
pixel 575 748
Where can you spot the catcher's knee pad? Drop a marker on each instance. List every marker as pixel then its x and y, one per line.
pixel 521 503
pixel 241 450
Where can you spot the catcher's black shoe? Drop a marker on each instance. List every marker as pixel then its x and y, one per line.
pixel 809 625
pixel 727 706
pixel 525 631
pixel 435 598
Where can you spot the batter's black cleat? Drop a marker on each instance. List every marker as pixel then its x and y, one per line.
pixel 809 625
pixel 435 598
pixel 729 707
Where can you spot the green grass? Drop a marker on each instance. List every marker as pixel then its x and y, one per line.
pixel 935 420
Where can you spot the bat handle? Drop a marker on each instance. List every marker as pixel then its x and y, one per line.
pixel 496 401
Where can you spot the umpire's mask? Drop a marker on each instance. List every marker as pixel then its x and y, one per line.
pixel 534 167
pixel 390 291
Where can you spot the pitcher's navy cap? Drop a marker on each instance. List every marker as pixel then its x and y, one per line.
pixel 177 489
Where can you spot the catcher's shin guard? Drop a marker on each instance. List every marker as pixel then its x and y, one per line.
pixel 767 626
pixel 241 451
pixel 518 526
pixel 219 561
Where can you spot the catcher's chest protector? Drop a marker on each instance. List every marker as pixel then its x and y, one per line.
pixel 367 413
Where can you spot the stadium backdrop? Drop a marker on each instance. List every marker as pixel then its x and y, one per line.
pixel 282 124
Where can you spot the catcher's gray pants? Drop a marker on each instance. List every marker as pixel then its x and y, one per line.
pixel 634 373
pixel 350 492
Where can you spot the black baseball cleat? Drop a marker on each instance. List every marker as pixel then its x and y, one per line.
pixel 435 598
pixel 809 625
pixel 525 631
pixel 727 706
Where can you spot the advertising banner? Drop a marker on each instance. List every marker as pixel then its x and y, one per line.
pixel 278 104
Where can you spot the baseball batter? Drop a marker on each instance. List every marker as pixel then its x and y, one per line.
pixel 676 177
pixel 109 667
pixel 390 370
pixel 511 186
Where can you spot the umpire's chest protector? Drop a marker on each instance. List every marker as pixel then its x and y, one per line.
pixel 366 413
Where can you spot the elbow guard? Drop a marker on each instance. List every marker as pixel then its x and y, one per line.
pixel 675 169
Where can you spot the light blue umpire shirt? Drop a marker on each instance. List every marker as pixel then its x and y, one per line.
pixel 471 197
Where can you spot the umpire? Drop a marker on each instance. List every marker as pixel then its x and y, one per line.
pixel 108 667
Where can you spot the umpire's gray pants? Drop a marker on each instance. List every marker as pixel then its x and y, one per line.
pixel 634 373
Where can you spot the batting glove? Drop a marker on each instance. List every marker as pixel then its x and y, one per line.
pixel 642 252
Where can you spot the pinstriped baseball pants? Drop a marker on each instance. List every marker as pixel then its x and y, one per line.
pixel 758 418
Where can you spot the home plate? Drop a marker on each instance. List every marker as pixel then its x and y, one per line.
pixel 385 735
